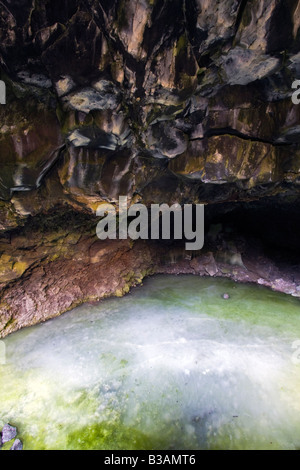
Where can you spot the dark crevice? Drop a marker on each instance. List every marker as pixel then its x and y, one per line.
pixel 240 14
pixel 280 31
pixel 133 64
pixel 240 135
pixel 272 220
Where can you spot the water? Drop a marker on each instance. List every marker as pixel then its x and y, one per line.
pixel 170 366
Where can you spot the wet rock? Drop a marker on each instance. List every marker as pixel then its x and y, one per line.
pixel 168 75
pixel 8 433
pixel 243 66
pixel 103 96
pixel 30 149
pixel 208 160
pixel 17 445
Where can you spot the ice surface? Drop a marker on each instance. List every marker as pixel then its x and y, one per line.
pixel 170 366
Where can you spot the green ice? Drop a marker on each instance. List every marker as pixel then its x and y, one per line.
pixel 170 366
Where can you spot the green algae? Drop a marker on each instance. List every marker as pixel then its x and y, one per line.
pixel 112 437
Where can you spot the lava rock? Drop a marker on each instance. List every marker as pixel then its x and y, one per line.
pixel 8 433
pixel 17 445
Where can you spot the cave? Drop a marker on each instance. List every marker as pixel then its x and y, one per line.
pixel 163 102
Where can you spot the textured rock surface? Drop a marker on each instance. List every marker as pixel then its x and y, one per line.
pixel 101 82
pixel 8 433
pixel 17 445
pixel 8 439
pixel 161 100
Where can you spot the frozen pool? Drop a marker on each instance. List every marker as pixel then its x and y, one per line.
pixel 170 366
